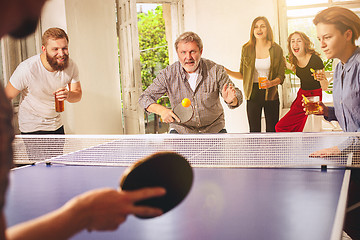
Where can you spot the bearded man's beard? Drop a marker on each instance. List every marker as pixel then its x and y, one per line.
pixel 54 63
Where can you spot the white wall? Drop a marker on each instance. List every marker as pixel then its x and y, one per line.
pixel 51 9
pixel 92 31
pixel 91 26
pixel 224 26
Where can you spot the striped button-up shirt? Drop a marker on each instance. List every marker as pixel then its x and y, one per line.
pixel 208 112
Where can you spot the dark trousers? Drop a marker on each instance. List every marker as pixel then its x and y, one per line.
pixel 254 110
pixel 60 130
pixel 173 131
pixel 37 149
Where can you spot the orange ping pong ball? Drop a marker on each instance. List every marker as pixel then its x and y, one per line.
pixel 186 102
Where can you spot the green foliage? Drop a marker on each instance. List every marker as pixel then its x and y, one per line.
pixel 289 71
pixel 154 54
pixel 328 68
pixel 164 100
pixel 330 86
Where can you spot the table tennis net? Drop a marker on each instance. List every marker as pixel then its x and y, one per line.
pixel 205 150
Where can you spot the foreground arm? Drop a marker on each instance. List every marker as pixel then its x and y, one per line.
pixel 326 152
pixel 351 144
pixel 102 209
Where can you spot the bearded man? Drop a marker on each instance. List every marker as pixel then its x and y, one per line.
pixel 41 79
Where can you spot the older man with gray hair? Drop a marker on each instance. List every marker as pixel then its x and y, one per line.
pixel 198 79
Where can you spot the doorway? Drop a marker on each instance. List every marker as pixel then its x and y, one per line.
pixel 130 51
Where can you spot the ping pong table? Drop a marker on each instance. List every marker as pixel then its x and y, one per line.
pixel 246 186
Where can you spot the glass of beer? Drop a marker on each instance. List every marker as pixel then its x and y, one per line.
pixel 59 105
pixel 262 80
pixel 312 105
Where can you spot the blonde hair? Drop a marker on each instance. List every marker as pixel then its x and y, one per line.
pixel 309 47
pixel 189 37
pixel 54 33
pixel 343 19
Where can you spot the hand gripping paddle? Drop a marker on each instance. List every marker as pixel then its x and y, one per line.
pixel 184 110
pixel 164 169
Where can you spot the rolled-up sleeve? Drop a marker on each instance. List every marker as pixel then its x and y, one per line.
pixel 156 90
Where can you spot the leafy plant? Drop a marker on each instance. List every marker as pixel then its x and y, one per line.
pixel 328 65
pixel 330 86
pixel 289 71
pixel 154 54
pixel 164 100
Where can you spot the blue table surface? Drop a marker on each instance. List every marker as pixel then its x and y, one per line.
pixel 224 203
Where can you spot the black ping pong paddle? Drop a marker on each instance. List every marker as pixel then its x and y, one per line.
pixel 183 113
pixel 169 170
